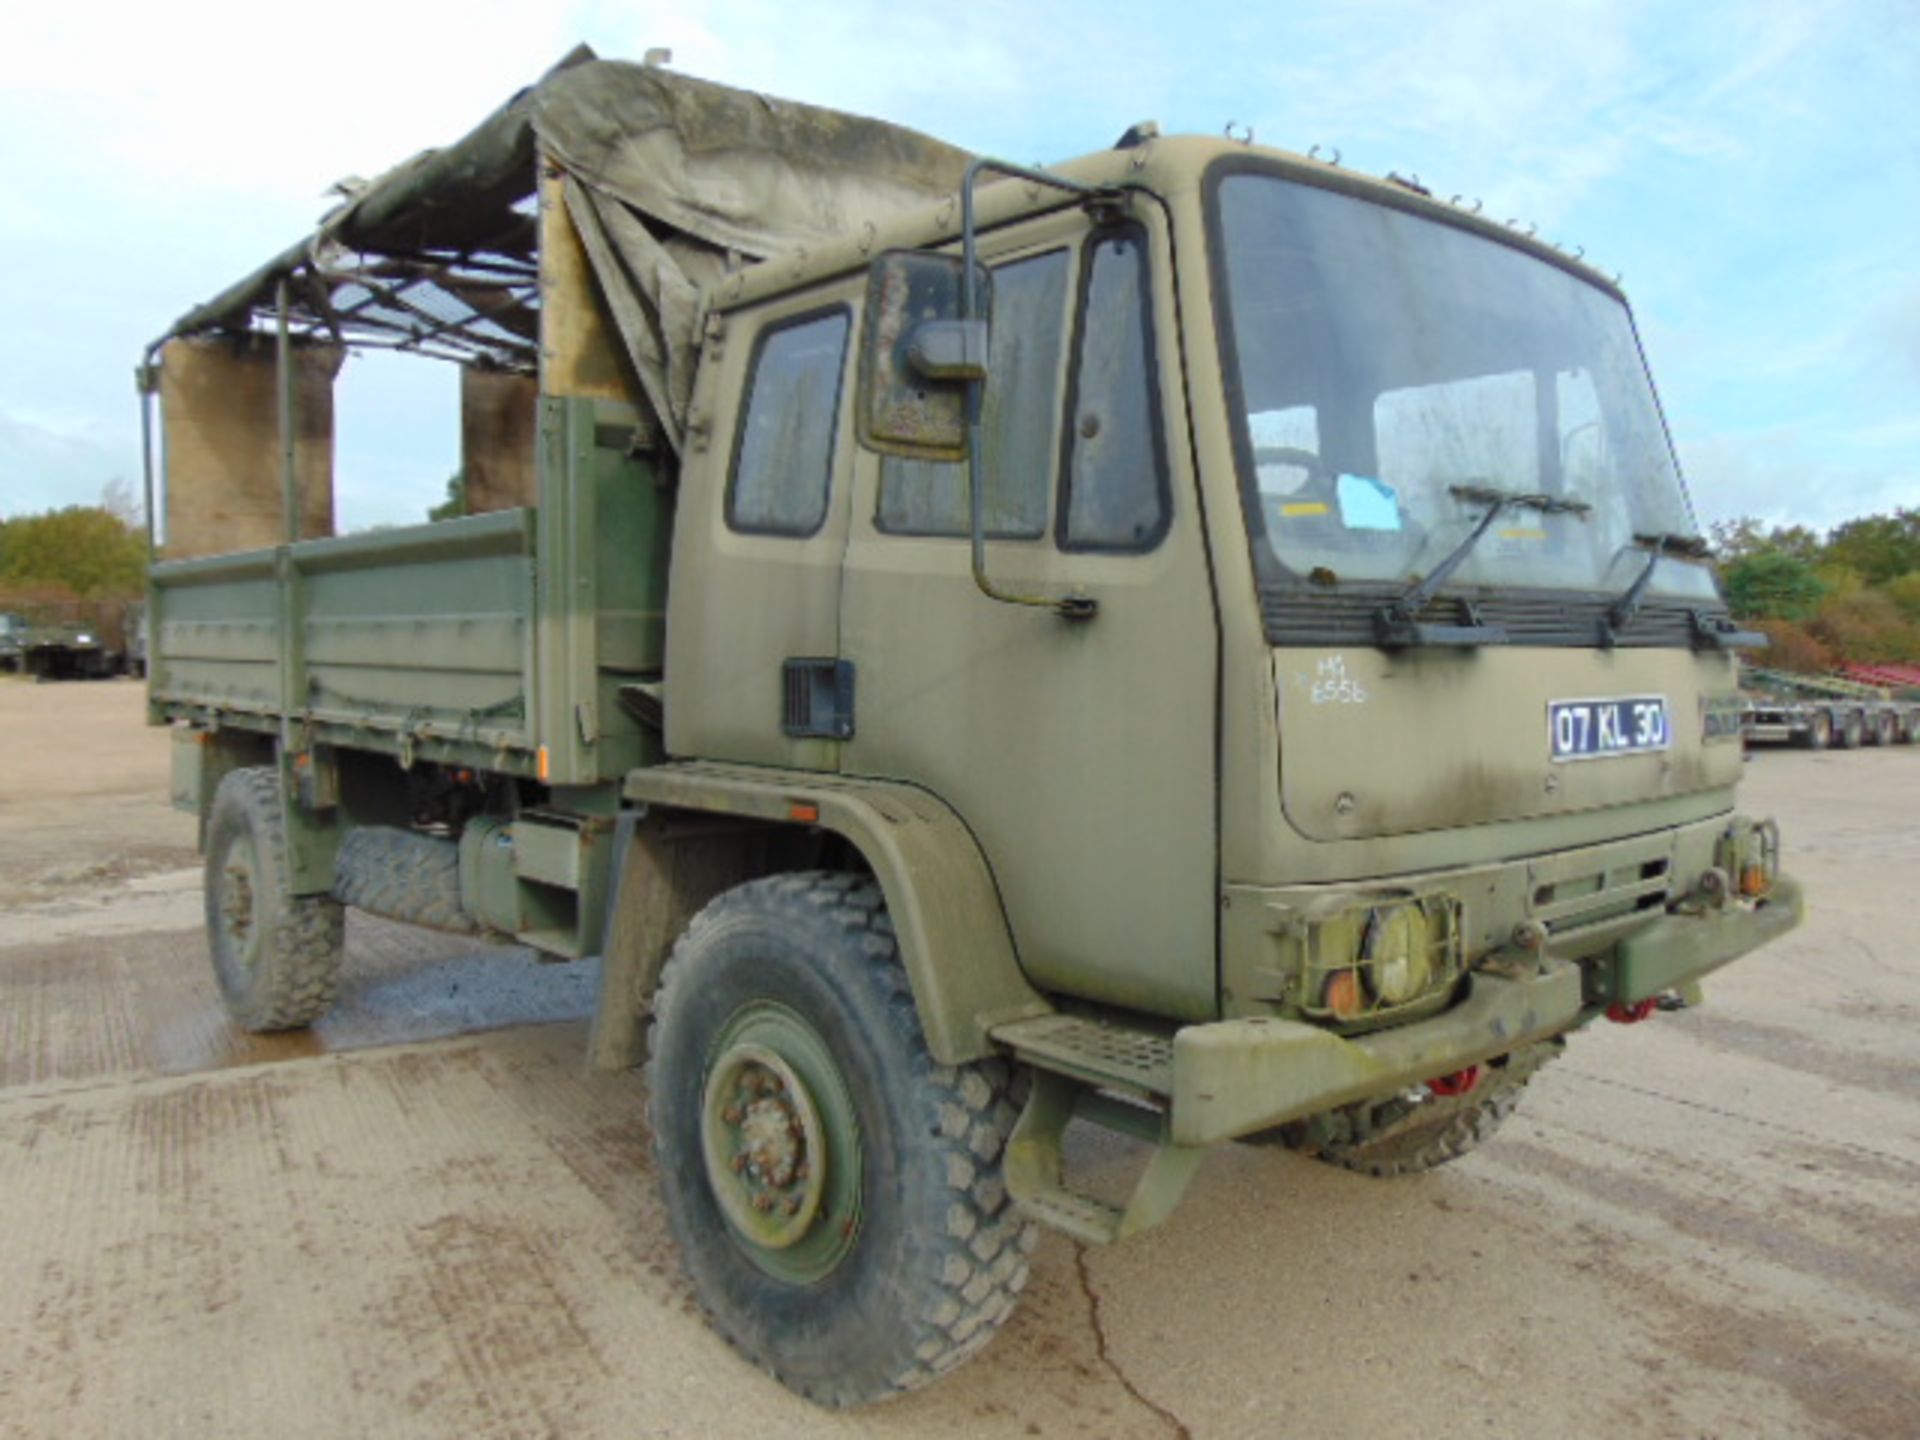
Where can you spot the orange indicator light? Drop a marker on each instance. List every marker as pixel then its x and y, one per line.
pixel 1343 994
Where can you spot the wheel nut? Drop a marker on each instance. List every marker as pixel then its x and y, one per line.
pixel 763 1202
pixel 732 1115
pixel 739 1164
pixel 793 1205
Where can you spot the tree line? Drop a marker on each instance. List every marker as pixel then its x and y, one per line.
pixel 82 553
pixel 1849 596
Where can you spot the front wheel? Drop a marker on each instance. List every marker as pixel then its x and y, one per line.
pixel 1407 1135
pixel 835 1193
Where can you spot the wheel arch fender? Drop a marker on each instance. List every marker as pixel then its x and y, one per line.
pixel 955 942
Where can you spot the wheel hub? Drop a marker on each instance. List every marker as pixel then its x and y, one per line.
pixel 766 1148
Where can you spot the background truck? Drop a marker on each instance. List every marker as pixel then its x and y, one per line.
pixel 971 648
pixel 1818 711
pixel 65 640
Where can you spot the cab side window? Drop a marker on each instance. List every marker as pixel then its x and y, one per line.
pixel 921 497
pixel 783 456
pixel 1114 490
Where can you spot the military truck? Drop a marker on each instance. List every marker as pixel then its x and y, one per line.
pixel 68 641
pixel 1193 641
pixel 13 630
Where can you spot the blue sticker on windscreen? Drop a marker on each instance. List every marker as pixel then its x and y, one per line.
pixel 1367 504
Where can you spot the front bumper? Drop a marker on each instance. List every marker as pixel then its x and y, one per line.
pixel 1233 1077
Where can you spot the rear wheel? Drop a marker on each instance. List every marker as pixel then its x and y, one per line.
pixel 1820 731
pixel 1852 730
pixel 275 954
pixel 1883 728
pixel 835 1193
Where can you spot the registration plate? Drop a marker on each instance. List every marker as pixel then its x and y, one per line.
pixel 1589 729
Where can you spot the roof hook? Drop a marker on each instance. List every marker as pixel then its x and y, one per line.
pixel 1332 150
pixel 1235 131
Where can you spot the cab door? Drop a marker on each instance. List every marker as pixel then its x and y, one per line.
pixel 1080 752
pixel 753 625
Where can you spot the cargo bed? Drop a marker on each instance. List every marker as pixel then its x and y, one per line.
pixel 498 641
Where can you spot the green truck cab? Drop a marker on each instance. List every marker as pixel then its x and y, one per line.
pixel 1195 640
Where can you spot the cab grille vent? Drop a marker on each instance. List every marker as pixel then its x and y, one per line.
pixel 1295 615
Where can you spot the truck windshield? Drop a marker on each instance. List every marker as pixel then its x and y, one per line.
pixel 1386 369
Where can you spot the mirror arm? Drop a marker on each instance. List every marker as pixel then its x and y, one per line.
pixel 1068 607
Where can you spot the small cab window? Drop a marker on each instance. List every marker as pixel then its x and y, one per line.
pixel 921 497
pixel 783 459
pixel 1116 486
pixel 1286 449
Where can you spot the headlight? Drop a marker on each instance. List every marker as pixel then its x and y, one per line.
pixel 86 639
pixel 1395 954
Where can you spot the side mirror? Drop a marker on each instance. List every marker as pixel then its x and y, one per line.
pixel 919 355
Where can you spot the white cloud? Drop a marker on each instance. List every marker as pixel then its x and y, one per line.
pixel 269 101
pixel 47 469
pixel 1782 475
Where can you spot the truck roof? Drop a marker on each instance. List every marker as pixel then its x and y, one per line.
pixel 1167 166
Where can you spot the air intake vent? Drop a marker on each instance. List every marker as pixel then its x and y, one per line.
pixel 816 699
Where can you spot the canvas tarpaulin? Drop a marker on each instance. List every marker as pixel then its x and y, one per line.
pixel 670 180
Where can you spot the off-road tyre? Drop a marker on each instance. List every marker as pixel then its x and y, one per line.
pixel 1393 1139
pixel 1885 730
pixel 1819 731
pixel 408 877
pixel 1851 731
pixel 932 1253
pixel 276 955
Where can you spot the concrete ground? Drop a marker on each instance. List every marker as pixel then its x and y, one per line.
pixel 424 1219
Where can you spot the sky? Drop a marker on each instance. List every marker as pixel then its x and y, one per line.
pixel 1751 169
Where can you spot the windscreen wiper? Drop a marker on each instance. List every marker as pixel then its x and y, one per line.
pixel 1394 623
pixel 1658 547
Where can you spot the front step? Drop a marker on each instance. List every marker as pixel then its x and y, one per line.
pixel 1080 1066
pixel 1113 1057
